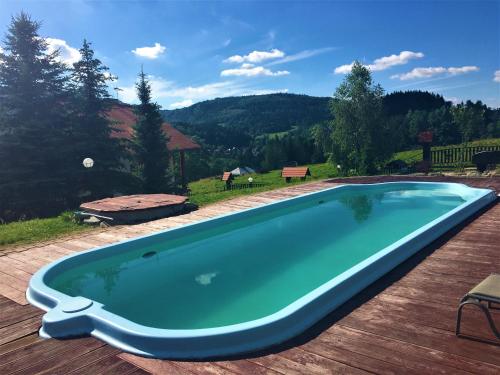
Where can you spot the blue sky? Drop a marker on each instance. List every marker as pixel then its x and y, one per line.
pixel 194 51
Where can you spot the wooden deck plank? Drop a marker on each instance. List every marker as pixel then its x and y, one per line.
pixel 42 359
pixel 296 361
pixel 15 313
pixel 154 366
pixel 19 329
pixel 406 354
pixel 402 324
pixel 83 359
pixel 19 343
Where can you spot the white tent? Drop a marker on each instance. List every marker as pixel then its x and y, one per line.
pixel 241 171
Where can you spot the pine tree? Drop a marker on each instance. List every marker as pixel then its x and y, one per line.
pixel 33 123
pixel 150 142
pixel 92 129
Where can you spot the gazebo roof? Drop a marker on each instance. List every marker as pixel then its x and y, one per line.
pixel 125 119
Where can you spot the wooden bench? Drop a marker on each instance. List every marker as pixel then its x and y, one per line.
pixel 484 159
pixel 295 172
pixel 227 177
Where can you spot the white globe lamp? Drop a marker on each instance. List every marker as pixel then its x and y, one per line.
pixel 250 179
pixel 88 163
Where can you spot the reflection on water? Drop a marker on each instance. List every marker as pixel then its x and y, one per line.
pixel 360 204
pixel 205 278
pixel 109 276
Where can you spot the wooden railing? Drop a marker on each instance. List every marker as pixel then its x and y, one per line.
pixel 454 155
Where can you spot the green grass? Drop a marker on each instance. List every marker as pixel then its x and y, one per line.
pixel 21 232
pixel 411 156
pixel 209 190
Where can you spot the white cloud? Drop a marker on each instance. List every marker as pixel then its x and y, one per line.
pixel 256 56
pixel 164 91
pixel 496 76
pixel 150 52
pixel 420 73
pixel 344 69
pixel 453 99
pixel 433 71
pixel 388 61
pixel 248 70
pixel 1 50
pixel 462 70
pixel 67 54
pixel 302 55
pixel 383 63
pixel 181 104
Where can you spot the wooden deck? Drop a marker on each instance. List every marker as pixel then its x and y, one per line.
pixel 401 324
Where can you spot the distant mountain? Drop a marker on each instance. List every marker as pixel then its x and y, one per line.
pixel 256 114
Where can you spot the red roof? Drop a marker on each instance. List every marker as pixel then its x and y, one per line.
pixel 125 119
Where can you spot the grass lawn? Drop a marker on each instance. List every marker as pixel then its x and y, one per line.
pixel 38 229
pixel 209 190
pixel 411 156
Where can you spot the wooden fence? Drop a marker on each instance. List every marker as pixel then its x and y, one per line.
pixel 454 155
pixel 243 186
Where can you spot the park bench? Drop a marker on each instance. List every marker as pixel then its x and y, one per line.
pixel 295 172
pixel 484 159
pixel 227 177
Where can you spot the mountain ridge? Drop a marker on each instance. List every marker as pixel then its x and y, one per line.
pixel 256 114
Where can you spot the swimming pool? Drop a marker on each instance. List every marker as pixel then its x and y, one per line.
pixel 247 280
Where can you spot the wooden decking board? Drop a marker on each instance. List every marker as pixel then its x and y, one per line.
pixel 296 361
pixel 352 359
pixel 11 316
pixel 42 358
pixel 102 366
pixel 83 360
pixel 245 367
pixel 27 257
pixel 154 366
pixel 404 323
pixel 312 363
pixel 8 261
pixel 11 293
pixel 204 368
pixel 400 353
pixel 428 337
pixel 19 329
pixel 422 354
pixel 16 283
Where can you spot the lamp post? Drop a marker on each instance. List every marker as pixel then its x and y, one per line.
pixel 250 181
pixel 87 163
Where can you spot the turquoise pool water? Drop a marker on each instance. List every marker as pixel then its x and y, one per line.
pixel 254 266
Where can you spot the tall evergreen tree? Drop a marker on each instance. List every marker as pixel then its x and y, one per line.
pixel 150 142
pixel 359 134
pixel 33 123
pixel 92 129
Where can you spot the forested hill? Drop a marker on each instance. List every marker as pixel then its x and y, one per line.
pixel 255 114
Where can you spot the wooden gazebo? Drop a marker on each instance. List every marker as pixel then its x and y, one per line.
pixel 125 118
